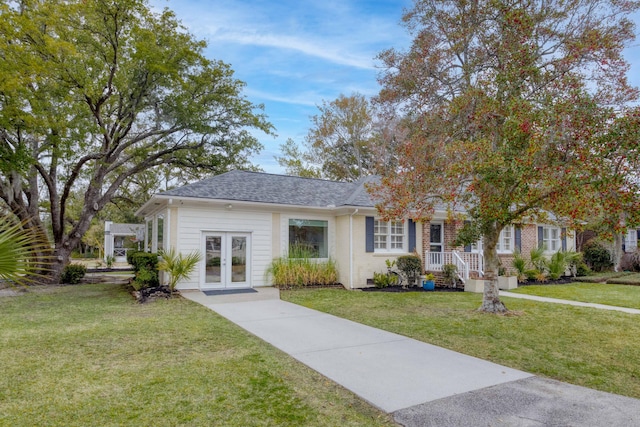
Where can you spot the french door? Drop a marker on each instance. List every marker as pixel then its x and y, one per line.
pixel 227 260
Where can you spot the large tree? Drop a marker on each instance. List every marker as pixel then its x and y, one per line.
pixel 95 92
pixel 515 112
pixel 347 140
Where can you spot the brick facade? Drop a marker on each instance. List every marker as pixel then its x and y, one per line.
pixel 528 240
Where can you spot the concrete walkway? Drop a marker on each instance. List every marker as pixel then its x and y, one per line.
pixel 421 384
pixel 569 302
pixel 388 370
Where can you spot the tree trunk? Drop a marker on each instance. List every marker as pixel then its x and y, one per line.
pixel 491 297
pixel 61 258
pixel 616 251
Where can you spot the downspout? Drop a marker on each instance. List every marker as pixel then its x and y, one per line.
pixel 351 248
pixel 167 226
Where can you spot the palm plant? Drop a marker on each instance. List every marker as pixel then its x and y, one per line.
pixel 520 265
pixel 178 266
pixel 21 253
pixel 538 260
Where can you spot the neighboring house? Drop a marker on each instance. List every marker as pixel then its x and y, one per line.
pixel 240 221
pixel 120 238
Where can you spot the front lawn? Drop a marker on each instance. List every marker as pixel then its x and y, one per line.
pixel 589 347
pixel 89 355
pixel 600 293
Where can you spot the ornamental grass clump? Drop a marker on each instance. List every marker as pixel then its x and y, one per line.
pixel 299 269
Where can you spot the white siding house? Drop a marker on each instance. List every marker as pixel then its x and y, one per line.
pixel 240 221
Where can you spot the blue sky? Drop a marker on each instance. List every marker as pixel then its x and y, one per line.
pixel 293 54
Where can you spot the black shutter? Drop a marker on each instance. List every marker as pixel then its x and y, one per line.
pixel 564 238
pixel 369 233
pixel 412 235
pixel 540 238
pixel 518 239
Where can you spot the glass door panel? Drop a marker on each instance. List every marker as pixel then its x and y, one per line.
pixel 213 260
pixel 238 259
pixel 435 241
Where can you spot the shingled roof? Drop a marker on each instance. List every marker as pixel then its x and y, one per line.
pixel 279 189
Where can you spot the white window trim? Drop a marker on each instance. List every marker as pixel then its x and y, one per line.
pixel 405 238
pixel 285 233
pixel 478 246
pixel 549 229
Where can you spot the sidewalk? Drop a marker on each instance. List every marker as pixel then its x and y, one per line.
pixel 421 384
pixel 388 370
pixel 569 302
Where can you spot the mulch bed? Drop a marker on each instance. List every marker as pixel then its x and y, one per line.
pixel 411 289
pixel 562 281
pixel 151 294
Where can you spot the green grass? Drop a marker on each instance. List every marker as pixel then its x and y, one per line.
pixel 600 293
pixel 603 277
pixel 631 279
pixel 588 347
pixel 88 355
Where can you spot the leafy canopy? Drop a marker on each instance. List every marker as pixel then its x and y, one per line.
pixel 514 111
pixel 96 93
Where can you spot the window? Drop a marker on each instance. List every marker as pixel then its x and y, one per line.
pixel 388 236
pixel 552 238
pixel 505 242
pixel 160 233
pixel 308 238
pixel 631 241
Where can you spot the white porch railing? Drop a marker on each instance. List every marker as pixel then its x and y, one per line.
pixel 120 252
pixel 466 262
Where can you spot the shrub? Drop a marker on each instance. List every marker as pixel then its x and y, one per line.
pixel 411 266
pixel 130 255
pixel 631 261
pixel 596 256
pixel 145 278
pixel 144 259
pixel 73 273
pixel 383 280
pixel 450 273
pixel 145 266
pixel 582 269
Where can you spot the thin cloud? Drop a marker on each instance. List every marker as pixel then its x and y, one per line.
pixel 266 96
pixel 296 44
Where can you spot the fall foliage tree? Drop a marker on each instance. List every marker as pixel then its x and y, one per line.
pixel 349 139
pixel 94 93
pixel 515 112
pixel 296 161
